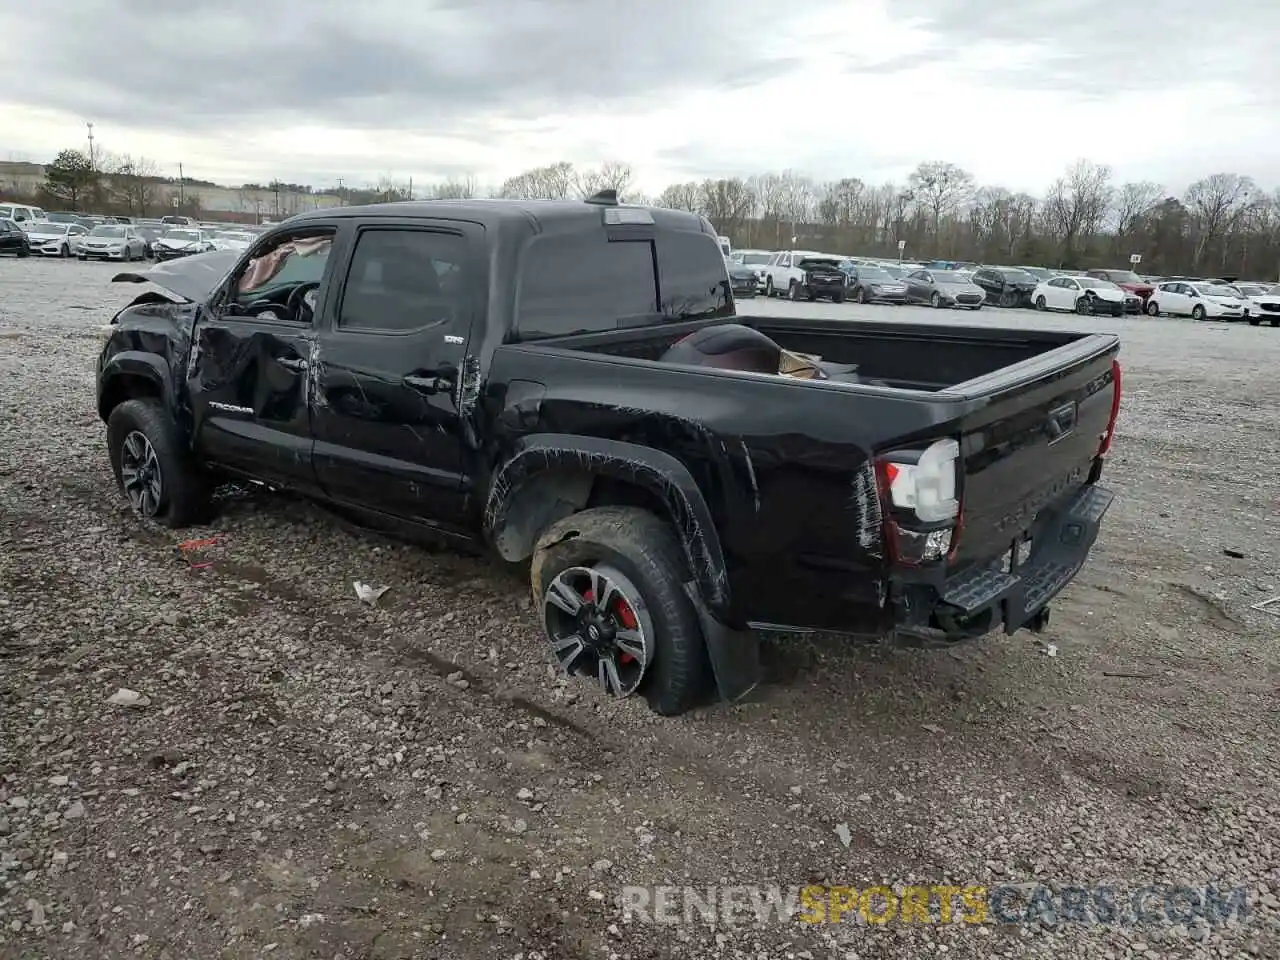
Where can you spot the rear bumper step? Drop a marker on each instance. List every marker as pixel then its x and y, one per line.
pixel 1061 540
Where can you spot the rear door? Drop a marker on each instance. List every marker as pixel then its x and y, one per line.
pixel 394 338
pixel 1032 442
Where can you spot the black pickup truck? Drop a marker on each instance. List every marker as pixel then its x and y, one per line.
pixel 567 382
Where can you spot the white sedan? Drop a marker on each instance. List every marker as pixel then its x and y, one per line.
pixel 1079 294
pixel 1200 301
pixel 1266 306
pixel 54 239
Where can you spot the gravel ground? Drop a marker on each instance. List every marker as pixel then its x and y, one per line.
pixel 307 776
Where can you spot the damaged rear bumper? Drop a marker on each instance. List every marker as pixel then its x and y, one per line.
pixel 1005 591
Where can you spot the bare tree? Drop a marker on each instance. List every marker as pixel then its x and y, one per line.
pixel 1077 205
pixel 558 181
pixel 682 196
pixel 611 175
pixel 1134 202
pixel 727 203
pixel 132 182
pixel 940 187
pixel 454 188
pixel 1214 203
pixel 839 203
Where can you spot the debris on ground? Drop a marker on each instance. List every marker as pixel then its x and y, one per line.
pixel 369 594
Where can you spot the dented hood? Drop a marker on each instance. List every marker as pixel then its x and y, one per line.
pixel 192 278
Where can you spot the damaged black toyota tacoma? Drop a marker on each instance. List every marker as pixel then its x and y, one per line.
pixel 567 383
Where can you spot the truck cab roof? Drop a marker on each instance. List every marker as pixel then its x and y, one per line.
pixel 538 216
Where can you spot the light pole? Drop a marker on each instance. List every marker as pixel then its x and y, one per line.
pixel 93 166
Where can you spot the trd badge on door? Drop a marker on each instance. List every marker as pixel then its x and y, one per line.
pixel 453 338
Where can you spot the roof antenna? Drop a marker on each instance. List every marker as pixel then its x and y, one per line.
pixel 605 198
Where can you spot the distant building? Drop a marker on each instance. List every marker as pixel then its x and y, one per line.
pixel 19 181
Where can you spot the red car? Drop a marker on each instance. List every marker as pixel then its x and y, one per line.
pixel 1126 280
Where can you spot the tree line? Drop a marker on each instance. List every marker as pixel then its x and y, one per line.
pixel 1223 224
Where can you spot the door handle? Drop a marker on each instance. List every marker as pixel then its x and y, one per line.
pixel 292 363
pixel 429 384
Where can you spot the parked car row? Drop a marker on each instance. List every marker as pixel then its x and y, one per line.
pixel 68 235
pixel 812 275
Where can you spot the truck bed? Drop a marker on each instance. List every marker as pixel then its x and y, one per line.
pixel 1029 409
pixel 903 356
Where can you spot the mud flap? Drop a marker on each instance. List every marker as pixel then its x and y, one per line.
pixel 734 654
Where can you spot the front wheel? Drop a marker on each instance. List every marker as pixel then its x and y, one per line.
pixel 1256 321
pixel 64 251
pixel 1008 299
pixel 768 287
pixel 1084 306
pixel 155 472
pixel 1152 308
pixel 861 295
pixel 793 291
pixel 609 585
pixel 1198 312
pixel 936 301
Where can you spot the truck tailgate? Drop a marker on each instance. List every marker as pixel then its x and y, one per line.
pixel 1033 442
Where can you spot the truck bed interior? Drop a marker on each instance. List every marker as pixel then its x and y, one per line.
pixel 907 356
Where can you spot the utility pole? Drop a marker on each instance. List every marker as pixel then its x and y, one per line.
pixel 182 196
pixel 93 165
pixel 341 200
pixel 411 188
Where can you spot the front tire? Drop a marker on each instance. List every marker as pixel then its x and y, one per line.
pixel 793 291
pixel 154 471
pixel 64 251
pixel 1152 308
pixel 768 288
pixel 634 557
pixel 936 301
pixel 1198 312
pixel 1256 321
pixel 861 295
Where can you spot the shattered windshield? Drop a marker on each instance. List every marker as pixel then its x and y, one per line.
pixel 297 261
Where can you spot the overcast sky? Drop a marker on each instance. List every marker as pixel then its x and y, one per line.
pixel 313 90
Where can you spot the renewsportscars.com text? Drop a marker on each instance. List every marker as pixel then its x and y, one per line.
pixel 1022 903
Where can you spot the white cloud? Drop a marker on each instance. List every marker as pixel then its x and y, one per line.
pixel 863 89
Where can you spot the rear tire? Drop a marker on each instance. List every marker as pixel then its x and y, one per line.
pixel 1256 321
pixel 184 490
pixel 1041 303
pixel 644 549
pixel 1275 323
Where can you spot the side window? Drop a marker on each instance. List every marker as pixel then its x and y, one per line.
pixel 402 280
pixel 582 283
pixel 280 267
pixel 691 277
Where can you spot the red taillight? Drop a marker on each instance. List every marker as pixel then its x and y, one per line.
pixel 920 502
pixel 1105 447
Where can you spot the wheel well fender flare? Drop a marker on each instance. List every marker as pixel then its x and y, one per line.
pixel 549 476
pixel 122 372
